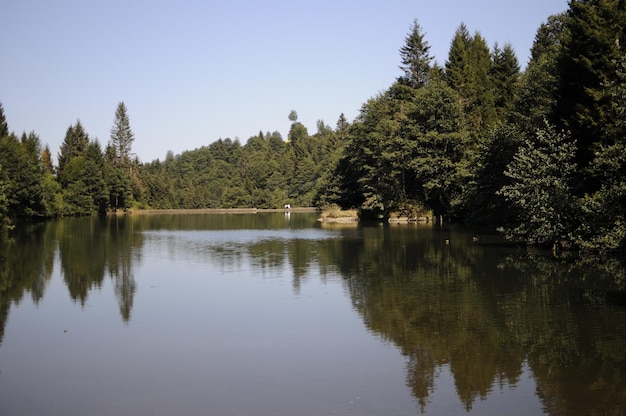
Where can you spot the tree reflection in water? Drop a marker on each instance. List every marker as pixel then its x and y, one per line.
pixel 483 310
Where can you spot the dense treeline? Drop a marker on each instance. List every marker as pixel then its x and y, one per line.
pixel 537 153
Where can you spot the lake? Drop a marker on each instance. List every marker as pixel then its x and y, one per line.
pixel 276 314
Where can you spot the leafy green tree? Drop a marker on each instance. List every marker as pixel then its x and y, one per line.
pixel 484 203
pixel 415 58
pixel 439 145
pixel 542 174
pixel 370 167
pixel 21 175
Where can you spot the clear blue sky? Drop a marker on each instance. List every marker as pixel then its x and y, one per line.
pixel 191 72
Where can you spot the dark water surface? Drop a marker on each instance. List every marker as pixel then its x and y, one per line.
pixel 269 314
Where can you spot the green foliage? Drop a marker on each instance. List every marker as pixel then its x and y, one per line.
pixel 4 205
pixel 439 142
pixel 541 185
pixel 505 72
pixel 4 128
pixel 122 136
pixel 592 48
pixel 604 225
pixel 484 204
pixel 21 175
pixel 74 144
pixel 81 174
pixel 469 73
pixel 415 58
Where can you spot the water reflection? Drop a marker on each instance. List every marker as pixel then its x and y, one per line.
pixel 487 311
pixel 488 314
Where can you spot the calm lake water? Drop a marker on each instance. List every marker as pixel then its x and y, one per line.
pixel 274 314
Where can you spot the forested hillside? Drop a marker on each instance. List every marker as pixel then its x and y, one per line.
pixel 539 154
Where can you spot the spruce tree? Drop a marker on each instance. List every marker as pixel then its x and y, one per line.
pixel 593 47
pixel 122 136
pixel 537 94
pixel 4 129
pixel 74 144
pixel 415 58
pixel 468 71
pixel 504 74
pixel 455 67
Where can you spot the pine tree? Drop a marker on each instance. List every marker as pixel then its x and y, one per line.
pixel 604 224
pixel 456 65
pixel 4 129
pixel 505 73
pixel 122 136
pixel 415 58
pixel 537 94
pixel 468 72
pixel 74 144
pixel 592 49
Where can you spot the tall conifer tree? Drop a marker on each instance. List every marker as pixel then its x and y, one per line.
pixel 122 136
pixel 588 62
pixel 4 129
pixel 415 58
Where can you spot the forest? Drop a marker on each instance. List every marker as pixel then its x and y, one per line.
pixel 538 154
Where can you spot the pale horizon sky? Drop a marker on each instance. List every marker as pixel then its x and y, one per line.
pixel 191 72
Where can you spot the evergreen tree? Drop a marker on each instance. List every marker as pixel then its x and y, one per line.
pixel 537 94
pixel 588 62
pixel 5 222
pixel 4 128
pixel 123 179
pixel 117 180
pixel 415 58
pixel 122 136
pixel 505 73
pixel 481 111
pixel 94 177
pixel 456 65
pixel 604 221
pixel 50 187
pixel 468 70
pixel 75 143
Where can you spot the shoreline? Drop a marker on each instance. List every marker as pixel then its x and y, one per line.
pixel 211 211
